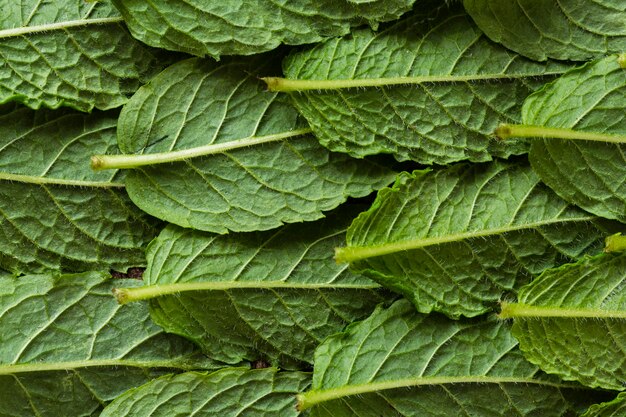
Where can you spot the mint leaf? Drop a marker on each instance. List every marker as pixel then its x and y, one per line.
pixel 570 29
pixel 244 28
pixel 55 213
pixel 615 408
pixel 228 393
pixel 277 294
pixel 259 172
pixel 67 347
pixel 570 321
pixel 68 53
pixel 430 88
pixel 589 173
pixel 456 240
pixel 401 363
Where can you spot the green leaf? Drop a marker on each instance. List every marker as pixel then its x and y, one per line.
pixel 67 347
pixel 69 53
pixel 228 392
pixel 615 408
pixel 244 28
pixel 430 88
pixel 401 363
pixel 277 294
pixel 568 29
pixel 55 213
pixel 571 321
pixel 588 173
pixel 259 171
pixel 456 240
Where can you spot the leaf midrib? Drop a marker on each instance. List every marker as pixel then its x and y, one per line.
pixel 27 30
pixel 311 398
pixel 32 179
pixel 357 253
pixel 9 369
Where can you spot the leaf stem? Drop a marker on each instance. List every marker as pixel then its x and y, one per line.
pixel 519 310
pixel 615 243
pixel 287 85
pixel 506 131
pixel 31 179
pixel 127 295
pixel 99 162
pixel 309 399
pixel 9 369
pixel 27 30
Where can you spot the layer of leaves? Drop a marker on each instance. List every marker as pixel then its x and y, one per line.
pixel 437 89
pixel 568 29
pixel 277 294
pixel 68 347
pixel 571 321
pixel 55 213
pixel 197 103
pixel 243 28
pixel 69 53
pixel 228 392
pixel 456 240
pixel 615 408
pixel 589 174
pixel 401 363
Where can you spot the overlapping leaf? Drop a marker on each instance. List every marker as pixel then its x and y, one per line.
pixel 456 240
pixel 244 28
pixel 615 408
pixel 228 393
pixel 571 321
pixel 588 173
pixel 566 29
pixel 401 363
pixel 55 213
pixel 430 89
pixel 67 347
pixel 68 53
pixel 276 294
pixel 260 171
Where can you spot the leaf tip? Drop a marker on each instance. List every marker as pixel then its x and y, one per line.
pixel 503 131
pixel 340 255
pixel 300 402
pixel 615 243
pixel 621 60
pixel 271 82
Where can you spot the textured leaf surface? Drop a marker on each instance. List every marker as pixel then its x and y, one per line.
pixel 68 53
pixel 243 28
pixel 567 29
pixel 456 240
pixel 67 347
pixel 615 408
pixel 571 321
pixel 589 174
pixel 228 393
pixel 401 363
pixel 463 85
pixel 196 103
pixel 277 294
pixel 55 213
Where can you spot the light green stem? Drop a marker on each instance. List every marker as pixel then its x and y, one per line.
pixel 506 131
pixel 9 369
pixel 31 179
pixel 287 85
pixel 127 295
pixel 519 310
pixel 99 162
pixel 27 30
pixel 615 243
pixel 309 399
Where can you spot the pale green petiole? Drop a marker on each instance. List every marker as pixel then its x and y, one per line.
pixel 519 310
pixel 99 162
pixel 506 131
pixel 127 295
pixel 615 243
